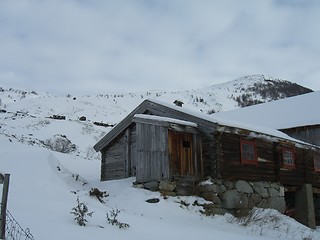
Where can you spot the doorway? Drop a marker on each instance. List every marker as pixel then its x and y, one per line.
pixel 181 160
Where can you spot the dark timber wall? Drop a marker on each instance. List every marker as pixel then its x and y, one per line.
pixel 230 167
pixel 269 166
pixel 296 176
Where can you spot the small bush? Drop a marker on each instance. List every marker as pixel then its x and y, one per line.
pixel 80 213
pixel 112 219
pixel 95 192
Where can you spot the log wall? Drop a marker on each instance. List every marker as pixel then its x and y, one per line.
pixel 269 166
pixel 296 176
pixel 229 157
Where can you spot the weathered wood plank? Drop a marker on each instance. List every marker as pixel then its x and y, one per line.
pixel 151 152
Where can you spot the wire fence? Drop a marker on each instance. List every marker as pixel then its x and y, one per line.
pixel 14 231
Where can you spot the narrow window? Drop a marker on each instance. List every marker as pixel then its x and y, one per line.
pixel 248 152
pixel 288 158
pixel 316 162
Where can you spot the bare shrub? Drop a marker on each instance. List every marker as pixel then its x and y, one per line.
pixel 112 219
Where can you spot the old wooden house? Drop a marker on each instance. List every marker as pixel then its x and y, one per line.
pixel 159 141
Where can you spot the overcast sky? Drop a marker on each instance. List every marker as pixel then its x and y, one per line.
pixel 99 46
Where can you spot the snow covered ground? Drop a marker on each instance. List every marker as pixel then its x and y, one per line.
pixel 45 184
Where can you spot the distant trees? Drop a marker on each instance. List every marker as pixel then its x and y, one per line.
pixel 269 90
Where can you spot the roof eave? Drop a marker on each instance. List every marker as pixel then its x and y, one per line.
pixel 121 126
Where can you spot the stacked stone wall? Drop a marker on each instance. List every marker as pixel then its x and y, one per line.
pixel 239 197
pixel 236 197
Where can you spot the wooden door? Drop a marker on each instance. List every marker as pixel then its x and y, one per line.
pixel 181 153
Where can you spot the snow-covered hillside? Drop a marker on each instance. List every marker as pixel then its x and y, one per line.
pixel 28 115
pixel 45 184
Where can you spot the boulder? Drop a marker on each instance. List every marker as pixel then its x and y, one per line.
pixel 243 187
pixel 60 143
pixel 254 200
pixel 215 188
pixel 259 188
pixel 152 186
pixel 274 192
pixel 229 185
pixel 166 185
pixel 231 199
pixel 210 196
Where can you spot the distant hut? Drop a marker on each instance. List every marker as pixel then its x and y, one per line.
pixel 178 103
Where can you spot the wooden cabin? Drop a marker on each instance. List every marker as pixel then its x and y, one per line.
pixel 155 141
pixel 159 141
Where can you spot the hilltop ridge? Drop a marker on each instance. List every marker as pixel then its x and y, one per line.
pixel 241 92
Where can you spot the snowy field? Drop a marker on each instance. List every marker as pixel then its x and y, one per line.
pixel 45 184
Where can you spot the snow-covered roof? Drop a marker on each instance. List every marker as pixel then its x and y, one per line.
pixel 233 122
pixel 302 110
pixel 165 119
pixel 196 117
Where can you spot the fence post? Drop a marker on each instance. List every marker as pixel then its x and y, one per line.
pixel 5 191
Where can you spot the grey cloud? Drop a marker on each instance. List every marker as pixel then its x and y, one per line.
pixel 141 45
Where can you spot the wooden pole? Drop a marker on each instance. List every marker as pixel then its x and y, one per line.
pixel 5 191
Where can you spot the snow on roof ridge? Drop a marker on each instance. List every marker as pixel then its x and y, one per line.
pixel 230 123
pixel 166 119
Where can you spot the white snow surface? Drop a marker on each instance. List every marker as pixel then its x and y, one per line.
pixel 44 184
pixel 302 110
pixel 165 119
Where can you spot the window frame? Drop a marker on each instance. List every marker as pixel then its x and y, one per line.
pixel 248 161
pixel 316 167
pixel 286 164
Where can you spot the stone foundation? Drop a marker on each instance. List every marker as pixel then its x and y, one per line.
pixel 236 197
pixel 304 202
pixel 239 197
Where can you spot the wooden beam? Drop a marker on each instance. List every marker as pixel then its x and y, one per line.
pixel 5 191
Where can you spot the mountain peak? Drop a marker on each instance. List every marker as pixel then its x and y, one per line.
pixel 259 88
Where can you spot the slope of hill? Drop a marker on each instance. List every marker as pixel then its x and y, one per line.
pixel 36 127
pixel 34 113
